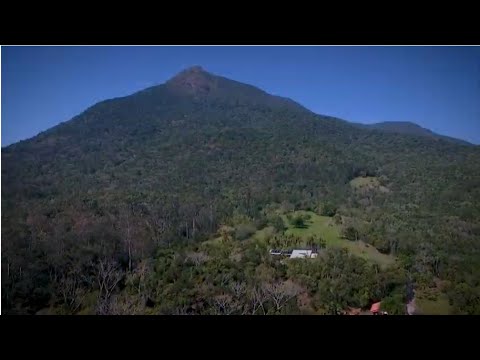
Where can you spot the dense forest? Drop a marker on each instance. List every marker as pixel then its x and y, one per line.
pixel 168 201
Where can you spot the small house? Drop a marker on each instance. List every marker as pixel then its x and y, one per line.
pixel 375 309
pixel 302 254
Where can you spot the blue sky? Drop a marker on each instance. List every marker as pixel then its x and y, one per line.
pixel 435 87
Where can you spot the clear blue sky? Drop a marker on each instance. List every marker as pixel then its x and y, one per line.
pixel 435 87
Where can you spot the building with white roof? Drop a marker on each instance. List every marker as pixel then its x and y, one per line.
pixel 301 254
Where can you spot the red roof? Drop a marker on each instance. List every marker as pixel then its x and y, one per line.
pixel 375 307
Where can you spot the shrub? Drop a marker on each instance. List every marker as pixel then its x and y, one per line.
pixel 244 231
pixel 328 209
pixel 278 224
pixel 298 221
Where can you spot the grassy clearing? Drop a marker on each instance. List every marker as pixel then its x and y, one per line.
pixel 215 241
pixel 260 234
pixel 368 183
pixel 428 305
pixel 368 252
pixel 328 230
pixel 317 225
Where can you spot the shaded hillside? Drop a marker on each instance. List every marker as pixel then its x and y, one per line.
pixel 144 177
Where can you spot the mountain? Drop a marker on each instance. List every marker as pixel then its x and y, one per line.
pixel 409 128
pixel 168 200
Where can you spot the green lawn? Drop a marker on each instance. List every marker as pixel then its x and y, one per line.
pixel 429 306
pixel 317 225
pixel 260 234
pixel 328 230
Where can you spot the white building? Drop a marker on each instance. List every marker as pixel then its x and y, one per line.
pixel 301 254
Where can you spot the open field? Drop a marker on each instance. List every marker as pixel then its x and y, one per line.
pixel 432 306
pixel 328 230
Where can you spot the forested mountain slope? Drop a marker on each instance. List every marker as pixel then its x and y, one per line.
pixel 409 128
pixel 107 212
